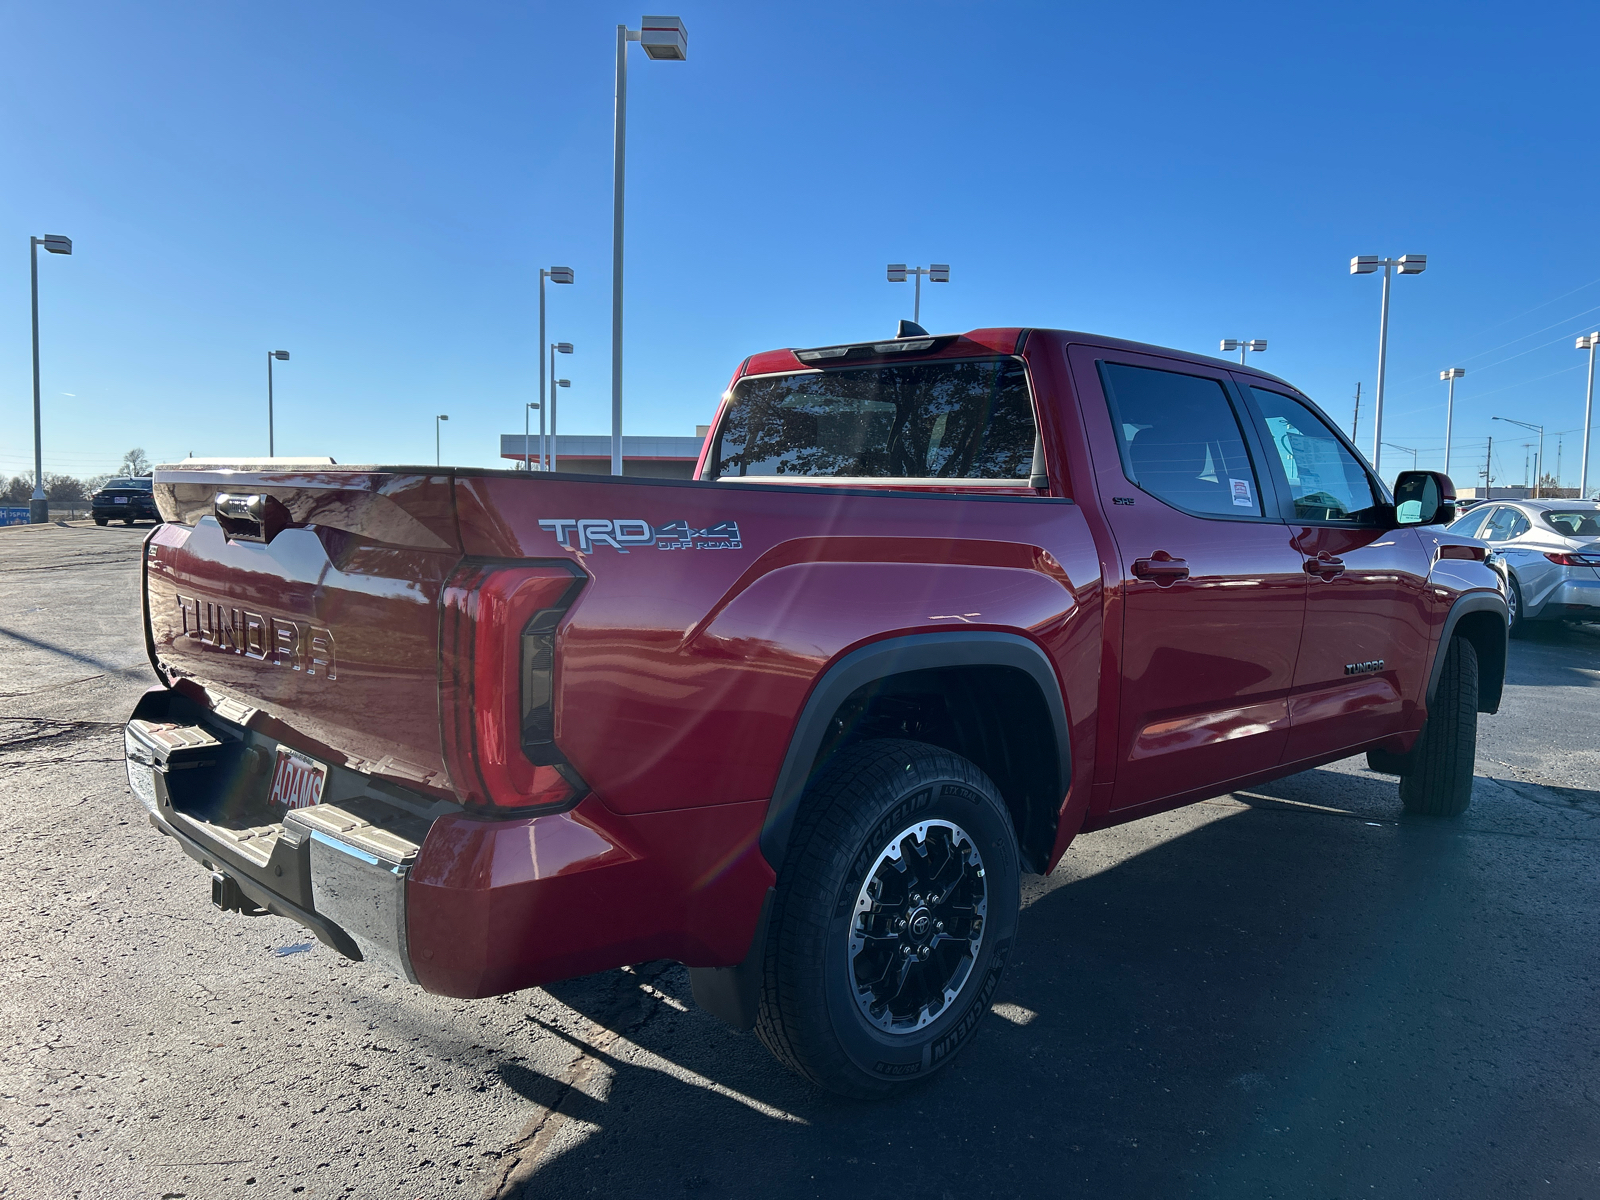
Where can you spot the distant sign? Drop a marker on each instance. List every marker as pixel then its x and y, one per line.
pixel 13 516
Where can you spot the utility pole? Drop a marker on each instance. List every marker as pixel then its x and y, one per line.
pixel 1488 465
pixel 1355 421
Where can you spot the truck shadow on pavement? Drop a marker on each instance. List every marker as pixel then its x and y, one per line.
pixel 1283 1001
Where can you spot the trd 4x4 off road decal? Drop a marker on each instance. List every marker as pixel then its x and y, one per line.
pixel 622 534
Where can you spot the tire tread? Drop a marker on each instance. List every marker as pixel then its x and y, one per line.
pixel 830 824
pixel 1439 780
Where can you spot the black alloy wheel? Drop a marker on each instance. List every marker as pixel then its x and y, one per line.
pixel 918 925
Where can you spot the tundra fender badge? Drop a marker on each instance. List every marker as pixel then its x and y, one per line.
pixel 1364 668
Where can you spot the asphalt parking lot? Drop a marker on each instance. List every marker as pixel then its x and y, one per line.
pixel 1290 992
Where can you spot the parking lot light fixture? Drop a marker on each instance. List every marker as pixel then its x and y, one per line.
pixel 1242 345
pixel 1587 342
pixel 436 420
pixel 1450 376
pixel 936 273
pixel 38 506
pixel 662 38
pixel 1538 466
pixel 554 275
pixel 281 356
pixel 1367 264
pixel 555 349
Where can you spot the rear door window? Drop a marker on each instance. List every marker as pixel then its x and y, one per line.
pixel 924 420
pixel 1181 441
pixel 1327 483
pixel 1501 527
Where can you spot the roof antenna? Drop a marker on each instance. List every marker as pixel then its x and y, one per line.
pixel 910 329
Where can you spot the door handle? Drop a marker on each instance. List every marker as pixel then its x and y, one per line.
pixel 1162 568
pixel 1325 566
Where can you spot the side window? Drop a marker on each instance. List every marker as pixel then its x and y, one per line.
pixel 1469 525
pixel 1500 525
pixel 1519 524
pixel 1326 481
pixel 1180 440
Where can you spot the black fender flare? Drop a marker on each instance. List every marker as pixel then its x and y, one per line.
pixel 1472 602
pixel 733 993
pixel 895 656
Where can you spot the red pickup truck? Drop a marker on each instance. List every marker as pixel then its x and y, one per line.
pixel 932 607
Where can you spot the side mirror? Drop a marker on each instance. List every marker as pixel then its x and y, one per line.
pixel 1424 498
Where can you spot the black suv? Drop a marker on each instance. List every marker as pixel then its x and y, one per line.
pixel 126 500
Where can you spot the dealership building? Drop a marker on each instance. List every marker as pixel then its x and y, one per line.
pixel 590 453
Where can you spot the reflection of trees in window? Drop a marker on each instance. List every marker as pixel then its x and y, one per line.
pixel 966 420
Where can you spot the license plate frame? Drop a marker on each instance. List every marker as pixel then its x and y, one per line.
pixel 119 499
pixel 298 781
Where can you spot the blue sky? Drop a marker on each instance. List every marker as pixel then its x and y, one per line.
pixel 373 187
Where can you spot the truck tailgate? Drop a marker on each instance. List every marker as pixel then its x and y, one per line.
pixel 330 629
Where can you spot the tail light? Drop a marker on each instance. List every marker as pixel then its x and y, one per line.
pixel 1573 560
pixel 497 686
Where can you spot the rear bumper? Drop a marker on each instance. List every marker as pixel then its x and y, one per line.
pixel 1571 599
pixel 327 869
pixel 463 905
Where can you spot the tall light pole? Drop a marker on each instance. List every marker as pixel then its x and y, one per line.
pixel 527 464
pixel 1366 264
pixel 436 420
pixel 1450 376
pixel 1538 463
pixel 554 384
pixel 554 275
pixel 555 348
pixel 1587 342
pixel 1242 344
pixel 936 273
pixel 1406 450
pixel 38 506
pixel 663 38
pixel 281 356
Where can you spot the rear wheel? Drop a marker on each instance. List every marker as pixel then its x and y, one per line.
pixel 895 914
pixel 1438 779
pixel 100 520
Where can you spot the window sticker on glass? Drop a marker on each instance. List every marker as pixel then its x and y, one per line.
pixel 1241 493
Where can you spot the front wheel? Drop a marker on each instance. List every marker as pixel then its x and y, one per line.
pixel 1438 781
pixel 895 914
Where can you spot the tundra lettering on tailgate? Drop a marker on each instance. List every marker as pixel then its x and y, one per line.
pixel 275 640
pixel 623 533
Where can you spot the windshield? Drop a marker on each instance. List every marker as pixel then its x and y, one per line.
pixel 927 420
pixel 142 484
pixel 1578 523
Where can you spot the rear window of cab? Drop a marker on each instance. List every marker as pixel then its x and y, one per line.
pixel 953 420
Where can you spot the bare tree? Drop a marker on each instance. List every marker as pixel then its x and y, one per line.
pixel 63 487
pixel 135 462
